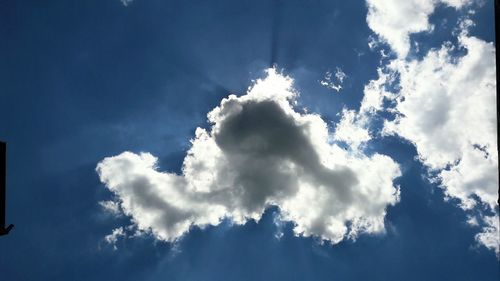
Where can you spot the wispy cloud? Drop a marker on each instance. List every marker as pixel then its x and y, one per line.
pixel 126 2
pixel 112 238
pixel 334 80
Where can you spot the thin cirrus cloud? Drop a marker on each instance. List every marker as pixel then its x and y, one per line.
pixel 259 152
pixel 126 2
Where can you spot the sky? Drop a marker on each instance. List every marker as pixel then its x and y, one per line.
pixel 249 140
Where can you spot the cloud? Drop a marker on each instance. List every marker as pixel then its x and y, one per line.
pixel 259 152
pixel 489 234
pixel 444 105
pixel 114 236
pixel 111 207
pixel 352 129
pixel 393 20
pixel 446 109
pixel 328 80
pixel 126 2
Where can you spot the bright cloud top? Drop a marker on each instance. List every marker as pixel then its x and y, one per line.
pixel 446 108
pixel 258 152
pixel 444 104
pixel 395 20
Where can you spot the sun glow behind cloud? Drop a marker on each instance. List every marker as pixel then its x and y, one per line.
pixel 259 152
pixel 262 151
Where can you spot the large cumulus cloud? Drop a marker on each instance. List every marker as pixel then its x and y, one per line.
pixel 446 108
pixel 444 104
pixel 258 152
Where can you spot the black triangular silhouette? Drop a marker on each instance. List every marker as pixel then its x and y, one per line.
pixel 3 183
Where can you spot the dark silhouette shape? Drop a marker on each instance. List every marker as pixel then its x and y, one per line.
pixel 3 177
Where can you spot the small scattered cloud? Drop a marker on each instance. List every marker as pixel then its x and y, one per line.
pixel 112 238
pixel 335 80
pixel 111 207
pixel 472 221
pixel 280 225
pixel 126 2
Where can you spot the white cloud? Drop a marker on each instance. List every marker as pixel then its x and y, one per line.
pixel 444 105
pixel 334 82
pixel 394 20
pixel 375 92
pixel 489 234
pixel 111 207
pixel 446 109
pixel 351 129
pixel 114 236
pixel 258 152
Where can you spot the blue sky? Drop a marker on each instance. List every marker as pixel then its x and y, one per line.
pixel 85 80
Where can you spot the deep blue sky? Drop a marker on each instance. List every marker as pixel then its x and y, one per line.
pixel 82 80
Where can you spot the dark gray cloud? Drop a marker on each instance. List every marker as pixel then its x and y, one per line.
pixel 259 152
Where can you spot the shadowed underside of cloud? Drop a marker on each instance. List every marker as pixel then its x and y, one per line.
pixel 259 152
